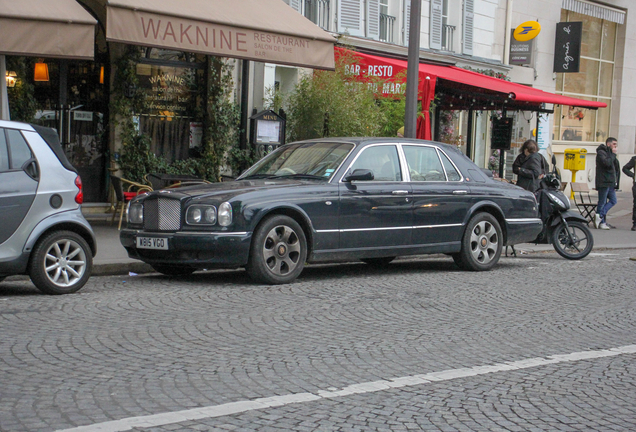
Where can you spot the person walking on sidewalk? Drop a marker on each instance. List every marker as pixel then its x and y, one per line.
pixel 608 173
pixel 630 170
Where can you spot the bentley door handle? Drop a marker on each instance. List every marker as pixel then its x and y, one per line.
pixel 460 192
pixel 400 192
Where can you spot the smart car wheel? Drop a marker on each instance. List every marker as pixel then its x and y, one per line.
pixel 278 252
pixel 61 263
pixel 378 262
pixel 173 270
pixel 481 244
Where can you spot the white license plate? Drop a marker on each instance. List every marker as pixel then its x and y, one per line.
pixel 152 243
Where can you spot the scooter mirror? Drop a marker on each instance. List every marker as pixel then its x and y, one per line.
pixel 553 160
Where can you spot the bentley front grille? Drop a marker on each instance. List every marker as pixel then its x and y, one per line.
pixel 162 214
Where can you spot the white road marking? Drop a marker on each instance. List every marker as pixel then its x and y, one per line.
pixel 156 420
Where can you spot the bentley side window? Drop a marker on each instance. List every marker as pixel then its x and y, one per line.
pixel 382 160
pixel 451 171
pixel 424 164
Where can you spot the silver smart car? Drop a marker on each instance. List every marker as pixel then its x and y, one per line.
pixel 42 230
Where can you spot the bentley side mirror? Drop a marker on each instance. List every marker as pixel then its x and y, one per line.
pixel 359 174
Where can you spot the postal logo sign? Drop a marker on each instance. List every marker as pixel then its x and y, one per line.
pixel 527 31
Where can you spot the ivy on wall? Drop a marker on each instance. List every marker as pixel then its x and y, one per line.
pixel 22 103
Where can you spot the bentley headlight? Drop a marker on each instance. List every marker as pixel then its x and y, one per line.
pixel 201 215
pixel 135 213
pixel 225 214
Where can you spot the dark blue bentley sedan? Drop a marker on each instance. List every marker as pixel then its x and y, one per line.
pixel 340 199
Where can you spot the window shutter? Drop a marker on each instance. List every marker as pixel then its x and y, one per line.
pixel 373 19
pixel 295 4
pixel 349 17
pixel 435 37
pixel 468 26
pixel 407 21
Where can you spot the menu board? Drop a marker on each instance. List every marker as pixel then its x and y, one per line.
pixel 501 133
pixel 267 131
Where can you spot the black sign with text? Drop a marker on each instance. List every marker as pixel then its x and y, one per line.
pixel 501 136
pixel 567 47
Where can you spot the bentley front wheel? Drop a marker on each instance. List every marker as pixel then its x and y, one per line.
pixel 278 252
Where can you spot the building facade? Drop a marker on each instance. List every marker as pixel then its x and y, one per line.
pixel 478 34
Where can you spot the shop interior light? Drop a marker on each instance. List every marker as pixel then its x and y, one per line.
pixel 41 72
pixel 11 77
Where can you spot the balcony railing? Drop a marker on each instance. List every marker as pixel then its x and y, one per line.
pixel 448 32
pixel 317 11
pixel 387 25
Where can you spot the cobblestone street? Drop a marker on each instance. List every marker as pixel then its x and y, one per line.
pixel 538 344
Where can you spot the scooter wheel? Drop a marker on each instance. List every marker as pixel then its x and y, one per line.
pixel 579 246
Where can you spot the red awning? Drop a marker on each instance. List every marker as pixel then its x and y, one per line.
pixel 518 92
pixel 460 82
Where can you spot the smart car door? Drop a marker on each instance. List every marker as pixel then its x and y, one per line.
pixel 375 213
pixel 440 196
pixel 18 181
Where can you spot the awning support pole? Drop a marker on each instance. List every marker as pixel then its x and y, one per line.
pixel 469 135
pixel 412 71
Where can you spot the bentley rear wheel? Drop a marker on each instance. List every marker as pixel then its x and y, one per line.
pixel 481 245
pixel 278 252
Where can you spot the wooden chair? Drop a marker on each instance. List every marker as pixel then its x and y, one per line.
pixel 584 201
pixel 124 196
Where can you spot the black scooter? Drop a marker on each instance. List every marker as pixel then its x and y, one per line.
pixel 565 230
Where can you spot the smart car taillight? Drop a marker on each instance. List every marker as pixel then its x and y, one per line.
pixel 79 198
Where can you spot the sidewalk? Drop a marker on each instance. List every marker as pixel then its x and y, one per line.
pixel 112 258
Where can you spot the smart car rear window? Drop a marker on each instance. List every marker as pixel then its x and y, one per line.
pixel 19 151
pixel 4 154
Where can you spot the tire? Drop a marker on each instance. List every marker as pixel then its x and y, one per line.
pixel 378 262
pixel 61 263
pixel 583 241
pixel 278 252
pixel 173 270
pixel 2 278
pixel 481 245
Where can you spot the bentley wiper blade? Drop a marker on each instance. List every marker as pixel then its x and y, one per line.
pixel 304 176
pixel 260 176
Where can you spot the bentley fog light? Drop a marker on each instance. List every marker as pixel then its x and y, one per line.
pixel 225 214
pixel 201 215
pixel 135 213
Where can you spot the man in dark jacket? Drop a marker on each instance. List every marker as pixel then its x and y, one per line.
pixel 608 173
pixel 630 170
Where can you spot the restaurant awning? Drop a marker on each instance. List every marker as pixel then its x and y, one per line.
pixel 261 30
pixel 454 82
pixel 46 28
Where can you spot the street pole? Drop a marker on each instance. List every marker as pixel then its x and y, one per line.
pixel 412 71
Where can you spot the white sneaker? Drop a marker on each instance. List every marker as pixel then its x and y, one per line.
pixel 597 220
pixel 603 225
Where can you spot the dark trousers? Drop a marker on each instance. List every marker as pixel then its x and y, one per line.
pixel 634 209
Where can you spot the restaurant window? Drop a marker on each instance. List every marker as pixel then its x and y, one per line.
pixel 593 82
pixel 170 82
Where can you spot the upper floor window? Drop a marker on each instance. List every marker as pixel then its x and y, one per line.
pixel 446 19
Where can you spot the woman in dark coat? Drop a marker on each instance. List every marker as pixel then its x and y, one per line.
pixel 528 166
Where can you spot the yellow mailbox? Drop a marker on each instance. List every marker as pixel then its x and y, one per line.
pixel 575 159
